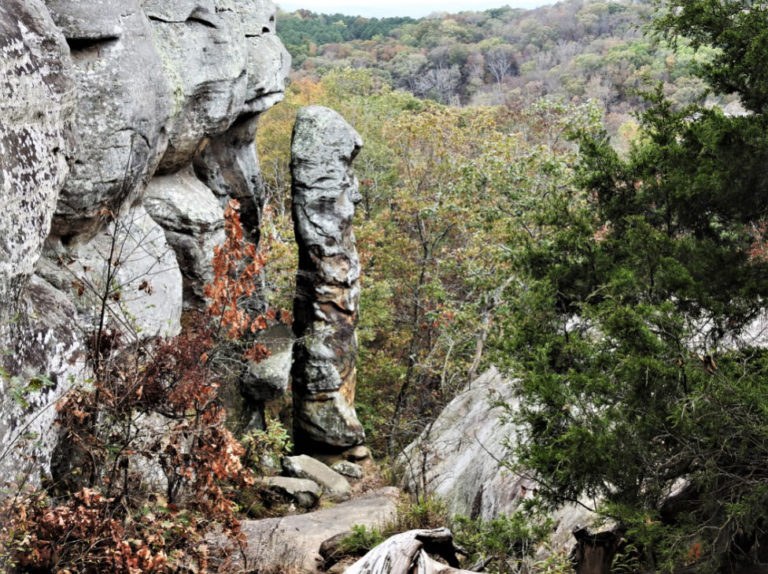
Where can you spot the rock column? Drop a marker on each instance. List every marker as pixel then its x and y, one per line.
pixel 327 289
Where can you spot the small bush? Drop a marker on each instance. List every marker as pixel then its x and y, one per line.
pixel 503 544
pixel 361 541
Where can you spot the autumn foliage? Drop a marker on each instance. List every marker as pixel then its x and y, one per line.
pixel 101 512
pixel 236 265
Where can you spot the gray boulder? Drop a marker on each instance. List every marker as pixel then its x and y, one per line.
pixel 304 492
pixel 335 486
pixel 324 195
pixel 292 543
pixel 457 458
pixel 268 379
pixel 193 221
pixel 460 452
pixel 349 469
pixel 357 453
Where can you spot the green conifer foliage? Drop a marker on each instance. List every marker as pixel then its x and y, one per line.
pixel 635 332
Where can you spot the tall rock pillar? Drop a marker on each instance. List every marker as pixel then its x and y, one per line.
pixel 327 290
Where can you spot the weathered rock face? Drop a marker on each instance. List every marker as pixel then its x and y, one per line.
pixel 45 341
pixel 334 485
pixel 203 55
pixel 268 379
pixel 193 221
pixel 229 166
pixel 141 287
pixel 123 106
pixel 97 98
pixel 36 104
pixel 457 458
pixel 327 289
pixel 293 543
pixel 38 334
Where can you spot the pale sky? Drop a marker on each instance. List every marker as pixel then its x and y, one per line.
pixel 416 9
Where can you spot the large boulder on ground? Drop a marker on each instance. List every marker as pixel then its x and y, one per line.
pixel 346 468
pixel 327 284
pixel 461 451
pixel 292 543
pixel 304 492
pixel 459 456
pixel 335 486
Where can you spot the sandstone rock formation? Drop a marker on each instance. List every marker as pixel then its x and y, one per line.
pixel 292 543
pixel 457 458
pixel 36 105
pixel 325 307
pixel 123 106
pixel 110 111
pixel 334 485
pixel 193 220
pixel 38 333
pixel 304 492
pixel 268 379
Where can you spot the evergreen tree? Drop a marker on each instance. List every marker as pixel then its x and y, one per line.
pixel 635 334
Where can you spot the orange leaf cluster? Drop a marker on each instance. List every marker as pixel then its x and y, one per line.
pixel 83 535
pixel 237 265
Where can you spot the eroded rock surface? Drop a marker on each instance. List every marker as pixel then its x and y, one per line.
pixel 304 492
pixel 457 458
pixel 193 221
pixel 45 357
pixel 327 285
pixel 334 485
pixel 293 543
pixel 123 107
pixel 39 341
pixel 36 105
pixel 98 98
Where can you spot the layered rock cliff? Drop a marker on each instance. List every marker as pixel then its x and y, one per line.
pixel 124 129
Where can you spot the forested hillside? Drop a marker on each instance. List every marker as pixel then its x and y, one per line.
pixel 573 51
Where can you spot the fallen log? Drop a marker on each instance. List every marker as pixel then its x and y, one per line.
pixel 409 553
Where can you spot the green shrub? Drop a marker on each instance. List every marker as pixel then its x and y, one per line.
pixel 503 544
